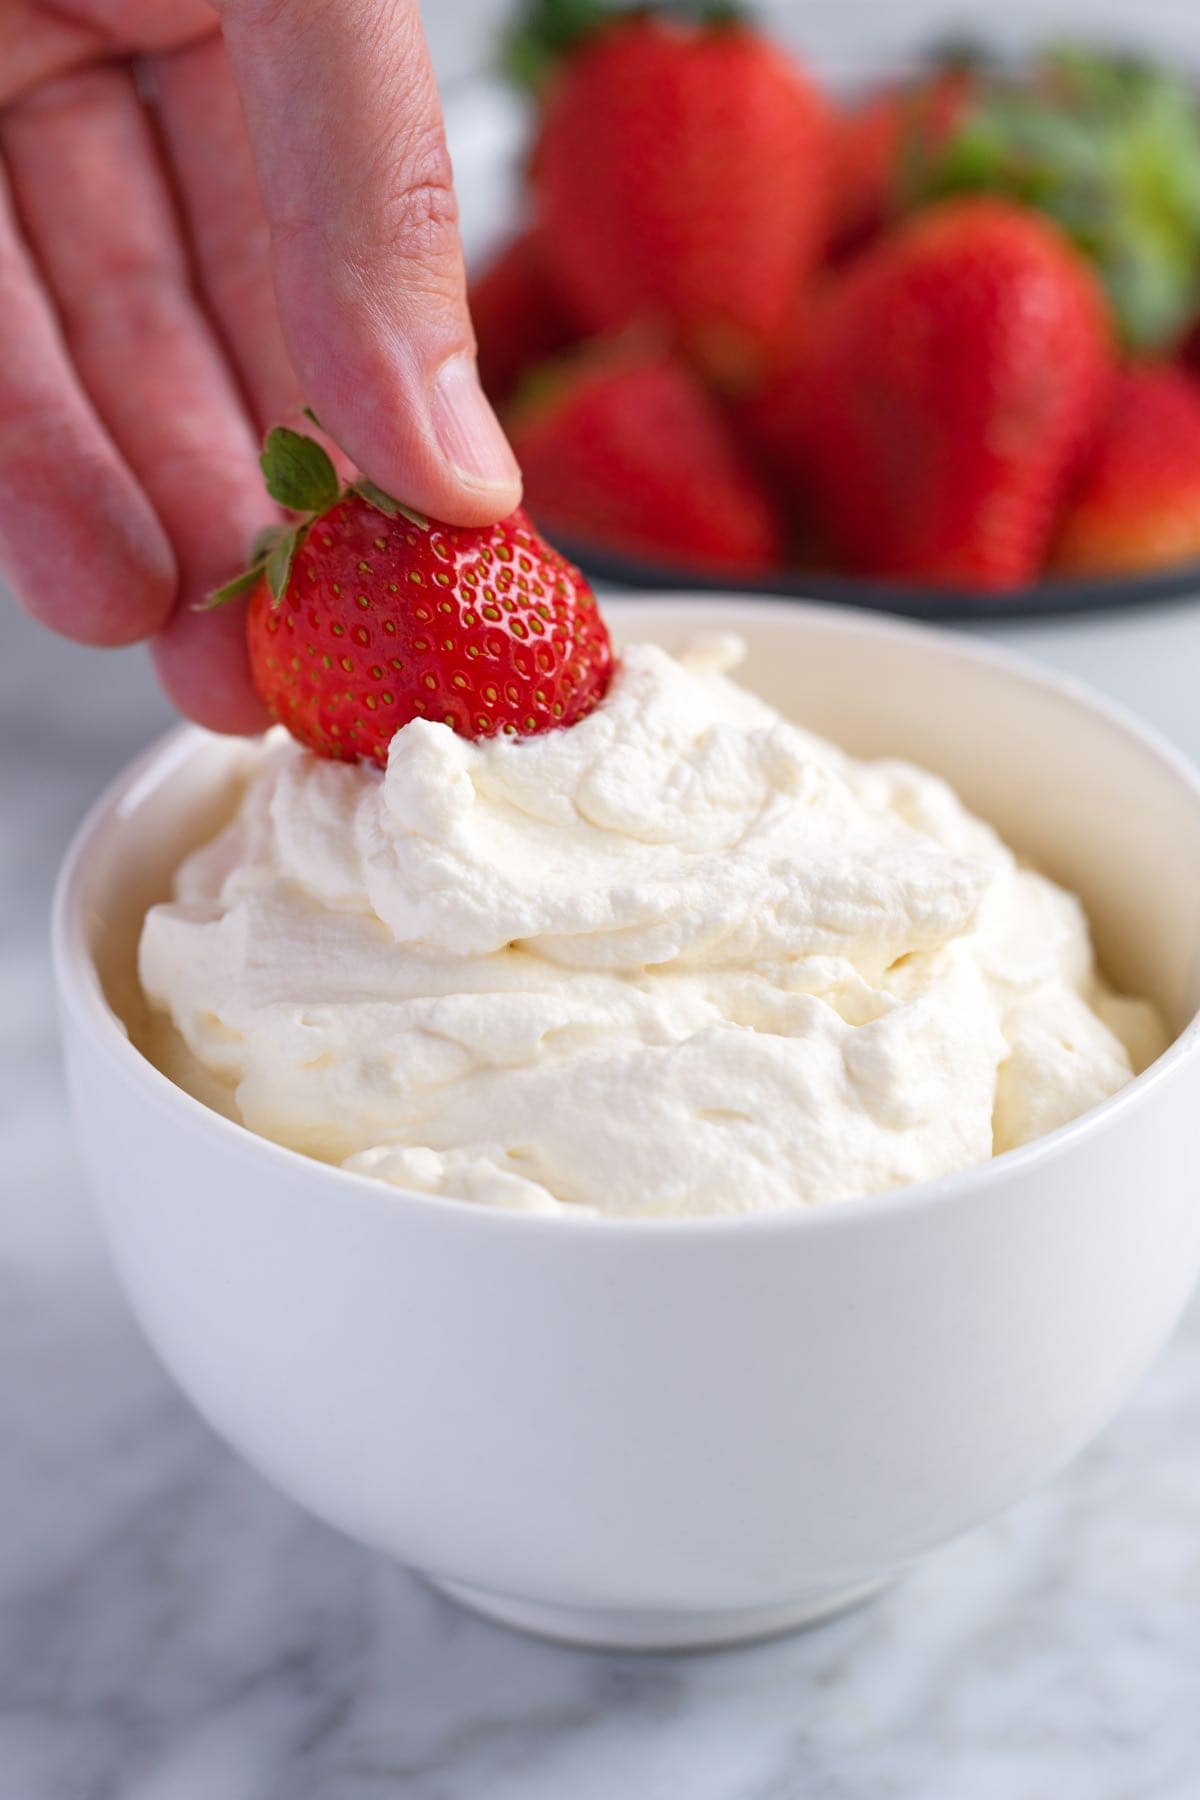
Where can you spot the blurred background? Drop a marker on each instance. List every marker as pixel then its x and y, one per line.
pixel 170 1630
pixel 912 320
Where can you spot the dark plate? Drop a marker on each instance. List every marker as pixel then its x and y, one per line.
pixel 1046 599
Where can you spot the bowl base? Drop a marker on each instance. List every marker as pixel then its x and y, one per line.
pixel 618 1628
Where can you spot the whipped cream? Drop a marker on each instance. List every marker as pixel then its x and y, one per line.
pixel 683 958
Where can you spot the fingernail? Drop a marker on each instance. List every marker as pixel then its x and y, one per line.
pixel 467 430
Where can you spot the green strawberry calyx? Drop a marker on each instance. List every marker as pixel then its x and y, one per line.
pixel 300 475
pixel 547 31
pixel 1107 146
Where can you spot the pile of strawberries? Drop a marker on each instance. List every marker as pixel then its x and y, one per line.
pixel 939 337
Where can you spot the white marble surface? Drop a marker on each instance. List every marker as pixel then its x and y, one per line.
pixel 171 1629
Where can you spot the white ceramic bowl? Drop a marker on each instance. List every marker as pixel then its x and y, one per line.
pixel 667 1433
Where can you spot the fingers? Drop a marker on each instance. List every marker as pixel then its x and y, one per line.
pixel 39 40
pixel 201 662
pixel 346 130
pixel 35 45
pixel 143 24
pixel 98 214
pixel 79 541
pixel 204 134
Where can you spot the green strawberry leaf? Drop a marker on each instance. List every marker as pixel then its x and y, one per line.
pixel 1109 148
pixel 548 31
pixel 279 562
pixel 240 584
pixel 298 472
pixel 265 541
pixel 384 503
pixel 300 475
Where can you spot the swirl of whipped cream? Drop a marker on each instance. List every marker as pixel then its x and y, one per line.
pixel 681 958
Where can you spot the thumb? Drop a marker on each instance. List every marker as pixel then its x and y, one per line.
pixel 347 136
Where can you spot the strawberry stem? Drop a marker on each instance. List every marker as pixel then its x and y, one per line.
pixel 300 475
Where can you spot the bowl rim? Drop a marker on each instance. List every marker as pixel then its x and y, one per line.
pixel 85 1007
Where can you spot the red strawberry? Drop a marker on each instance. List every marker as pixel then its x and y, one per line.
pixel 1107 146
pixel 682 175
pixel 1137 505
pixel 366 616
pixel 623 449
pixel 518 318
pixel 1187 351
pixel 953 375
pixel 875 141
pixel 765 420
pixel 765 426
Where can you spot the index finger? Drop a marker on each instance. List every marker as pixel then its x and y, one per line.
pixel 346 130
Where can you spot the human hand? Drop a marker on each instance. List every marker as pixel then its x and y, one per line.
pixel 154 176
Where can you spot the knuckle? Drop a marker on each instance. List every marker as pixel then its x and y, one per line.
pixel 419 212
pixel 421 223
pixel 401 208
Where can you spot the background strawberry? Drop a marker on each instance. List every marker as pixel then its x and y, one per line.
pixel 1137 504
pixel 765 420
pixel 622 447
pixel 904 311
pixel 879 146
pixel 952 375
pixel 367 615
pixel 545 32
pixel 1108 146
pixel 1188 351
pixel 681 174
pixel 518 318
